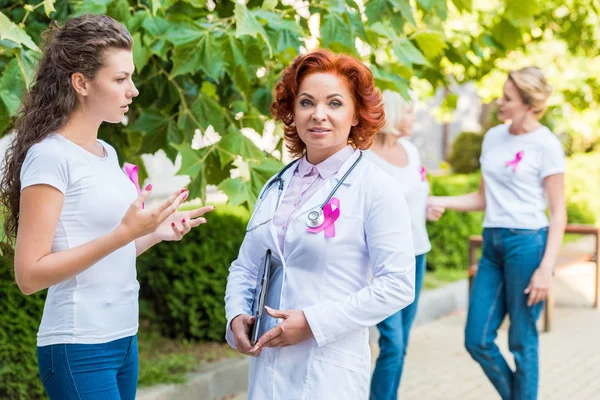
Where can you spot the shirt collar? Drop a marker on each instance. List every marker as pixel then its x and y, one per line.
pixel 327 167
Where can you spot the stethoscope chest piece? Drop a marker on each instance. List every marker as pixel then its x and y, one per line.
pixel 315 219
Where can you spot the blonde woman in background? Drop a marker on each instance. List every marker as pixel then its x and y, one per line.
pixel 396 155
pixel 522 165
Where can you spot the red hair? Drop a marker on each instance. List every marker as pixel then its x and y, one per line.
pixel 367 98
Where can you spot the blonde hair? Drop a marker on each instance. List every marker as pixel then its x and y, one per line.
pixel 533 88
pixel 396 107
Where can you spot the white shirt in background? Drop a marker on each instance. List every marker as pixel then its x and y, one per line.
pixel 100 304
pixel 513 169
pixel 415 189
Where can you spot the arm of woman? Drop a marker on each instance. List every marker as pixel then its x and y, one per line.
pixel 174 228
pixel 541 281
pixel 37 268
pixel 239 295
pixel 466 202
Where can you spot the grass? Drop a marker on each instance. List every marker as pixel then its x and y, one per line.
pixel 441 277
pixel 165 360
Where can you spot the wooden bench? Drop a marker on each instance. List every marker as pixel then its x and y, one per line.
pixel 475 243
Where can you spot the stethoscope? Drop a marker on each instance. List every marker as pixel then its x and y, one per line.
pixel 316 217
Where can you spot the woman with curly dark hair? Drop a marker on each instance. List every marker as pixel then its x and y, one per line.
pixel 78 220
pixel 337 233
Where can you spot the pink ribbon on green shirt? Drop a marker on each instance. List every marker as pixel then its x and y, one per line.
pixel 515 163
pixel 331 216
pixel 132 172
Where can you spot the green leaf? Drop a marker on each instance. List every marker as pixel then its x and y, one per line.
pixel 238 192
pixel 12 87
pixel 269 4
pixel 426 4
pixel 191 160
pixel 5 119
pixel 288 40
pixel 11 31
pixel 49 7
pixel 276 22
pixel 158 131
pixel 182 33
pixel 247 24
pixel 385 80
pixel 92 7
pixel 463 5
pixel 407 53
pixel 196 3
pixel 253 119
pixel 336 28
pixel 357 26
pixel 157 27
pixel 120 11
pixel 155 6
pixel 261 172
pixel 205 54
pixel 337 6
pixel 375 9
pixel 208 112
pixel 506 34
pixel 235 142
pixel 141 55
pixel 405 9
pixel 432 44
pixel 520 13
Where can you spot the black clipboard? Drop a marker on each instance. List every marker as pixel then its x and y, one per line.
pixel 260 297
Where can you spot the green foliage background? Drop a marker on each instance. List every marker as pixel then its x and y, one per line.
pixel 201 63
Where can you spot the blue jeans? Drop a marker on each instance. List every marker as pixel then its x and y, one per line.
pixel 509 259
pixel 393 340
pixel 106 371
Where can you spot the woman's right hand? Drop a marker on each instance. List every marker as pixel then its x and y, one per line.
pixel 139 222
pixel 241 326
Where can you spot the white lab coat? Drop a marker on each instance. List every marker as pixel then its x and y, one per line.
pixel 344 284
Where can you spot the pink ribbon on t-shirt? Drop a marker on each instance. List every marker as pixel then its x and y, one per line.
pixel 331 216
pixel 423 172
pixel 515 163
pixel 132 172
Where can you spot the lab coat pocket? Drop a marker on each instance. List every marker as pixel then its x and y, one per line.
pixel 345 353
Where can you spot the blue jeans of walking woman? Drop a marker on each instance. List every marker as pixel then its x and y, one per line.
pixel 105 371
pixel 509 259
pixel 393 340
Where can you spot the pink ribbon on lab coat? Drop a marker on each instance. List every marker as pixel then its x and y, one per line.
pixel 331 216
pixel 423 172
pixel 132 172
pixel 515 163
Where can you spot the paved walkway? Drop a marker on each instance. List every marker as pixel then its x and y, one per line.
pixel 438 367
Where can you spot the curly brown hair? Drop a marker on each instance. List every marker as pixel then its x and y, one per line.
pixel 77 46
pixel 367 98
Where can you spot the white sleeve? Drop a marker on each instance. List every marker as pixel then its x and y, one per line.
pixel 241 285
pixel 553 159
pixel 45 165
pixel 391 250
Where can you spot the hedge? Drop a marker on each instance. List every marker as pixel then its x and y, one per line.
pixel 184 282
pixel 19 321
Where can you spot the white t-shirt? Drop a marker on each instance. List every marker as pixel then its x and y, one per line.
pixel 415 189
pixel 99 304
pixel 513 169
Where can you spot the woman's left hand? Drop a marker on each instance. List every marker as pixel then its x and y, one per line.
pixel 539 285
pixel 180 223
pixel 293 330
